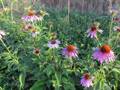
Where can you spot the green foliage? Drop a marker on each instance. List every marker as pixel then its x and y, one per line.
pixel 50 70
pixel 39 85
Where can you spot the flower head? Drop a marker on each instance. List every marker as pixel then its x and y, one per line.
pixel 2 33
pixel 70 51
pixel 36 51
pixel 34 33
pixel 113 12
pixel 92 32
pixel 31 16
pixel 116 19
pixel 86 80
pixel 104 54
pixel 117 28
pixel 53 43
pixel 43 13
pixel 27 27
pixel 53 35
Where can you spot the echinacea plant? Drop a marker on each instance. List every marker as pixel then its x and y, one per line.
pixel 2 34
pixel 86 80
pixel 92 32
pixel 54 56
pixel 31 17
pixel 70 51
pixel 36 51
pixel 104 54
pixel 53 43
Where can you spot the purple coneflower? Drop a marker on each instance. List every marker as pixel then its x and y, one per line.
pixel 70 51
pixel 86 80
pixel 117 28
pixel 32 17
pixel 92 32
pixel 2 33
pixel 104 54
pixel 53 44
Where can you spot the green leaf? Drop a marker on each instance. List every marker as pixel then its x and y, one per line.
pixel 22 80
pixel 68 85
pixel 106 87
pixel 1 88
pixel 49 70
pixel 116 70
pixel 39 85
pixel 90 88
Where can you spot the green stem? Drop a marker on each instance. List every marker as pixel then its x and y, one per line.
pixel 117 39
pixel 16 60
pixel 53 54
pixel 98 41
pixel 68 11
pixel 71 63
pixel 116 85
pixel 41 24
pixel 34 39
pixel 58 82
pixel 2 4
pixel 5 46
pixel 11 11
pixel 110 30
pixel 49 32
